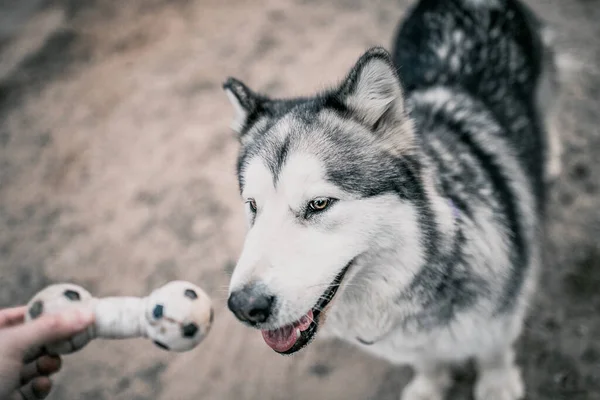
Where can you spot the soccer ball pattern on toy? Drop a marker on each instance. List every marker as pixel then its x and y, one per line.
pixel 175 317
pixel 179 316
pixel 58 298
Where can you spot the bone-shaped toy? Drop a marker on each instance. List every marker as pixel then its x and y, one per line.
pixel 176 316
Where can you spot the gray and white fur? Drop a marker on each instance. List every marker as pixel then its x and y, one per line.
pixel 434 161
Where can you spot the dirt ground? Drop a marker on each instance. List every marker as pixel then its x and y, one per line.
pixel 117 173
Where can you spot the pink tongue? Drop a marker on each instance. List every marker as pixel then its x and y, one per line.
pixel 281 339
pixel 284 338
pixel 304 322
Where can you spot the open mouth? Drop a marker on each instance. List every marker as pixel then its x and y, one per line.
pixel 293 337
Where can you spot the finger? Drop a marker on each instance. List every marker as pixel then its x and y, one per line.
pixel 49 365
pixel 33 353
pixel 43 366
pixel 50 328
pixel 39 388
pixel 12 316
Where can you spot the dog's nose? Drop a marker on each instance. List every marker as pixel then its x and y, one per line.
pixel 250 304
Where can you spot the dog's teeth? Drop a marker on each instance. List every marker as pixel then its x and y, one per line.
pixel 298 333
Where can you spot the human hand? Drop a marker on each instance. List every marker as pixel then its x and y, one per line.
pixel 24 366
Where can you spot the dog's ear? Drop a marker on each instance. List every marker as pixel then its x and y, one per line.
pixel 372 88
pixel 244 101
pixel 372 92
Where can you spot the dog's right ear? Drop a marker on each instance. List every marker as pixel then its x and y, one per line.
pixel 244 101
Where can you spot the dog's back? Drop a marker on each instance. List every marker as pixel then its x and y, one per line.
pixel 479 77
pixel 494 51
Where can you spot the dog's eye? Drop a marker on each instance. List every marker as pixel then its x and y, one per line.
pixel 252 204
pixel 319 204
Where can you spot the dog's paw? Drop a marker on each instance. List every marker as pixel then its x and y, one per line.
pixel 500 384
pixel 554 164
pixel 425 388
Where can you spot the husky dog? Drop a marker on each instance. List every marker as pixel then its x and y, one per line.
pixel 402 210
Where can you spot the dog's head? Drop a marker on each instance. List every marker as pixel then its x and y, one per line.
pixel 324 180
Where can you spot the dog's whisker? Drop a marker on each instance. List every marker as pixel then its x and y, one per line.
pixel 328 285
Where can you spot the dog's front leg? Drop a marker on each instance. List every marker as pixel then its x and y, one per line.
pixel 430 382
pixel 499 377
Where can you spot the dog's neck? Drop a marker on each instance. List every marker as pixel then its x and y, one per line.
pixel 391 272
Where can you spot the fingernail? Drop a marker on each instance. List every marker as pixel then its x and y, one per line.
pixel 78 317
pixel 85 316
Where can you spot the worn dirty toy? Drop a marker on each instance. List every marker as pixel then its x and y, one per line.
pixel 176 316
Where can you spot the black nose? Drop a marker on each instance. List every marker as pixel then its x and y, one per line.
pixel 251 304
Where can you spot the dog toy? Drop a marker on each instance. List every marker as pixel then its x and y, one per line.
pixel 176 316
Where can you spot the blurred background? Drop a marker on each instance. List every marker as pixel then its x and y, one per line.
pixel 117 173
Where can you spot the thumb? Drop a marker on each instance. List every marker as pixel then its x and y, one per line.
pixel 50 328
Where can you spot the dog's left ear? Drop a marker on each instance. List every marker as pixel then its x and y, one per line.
pixel 244 101
pixel 372 89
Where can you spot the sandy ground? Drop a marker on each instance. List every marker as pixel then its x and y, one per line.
pixel 117 173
